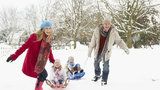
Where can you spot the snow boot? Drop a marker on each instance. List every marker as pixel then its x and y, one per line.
pixel 103 82
pixel 96 78
pixel 39 85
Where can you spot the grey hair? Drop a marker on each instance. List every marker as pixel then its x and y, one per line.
pixel 106 21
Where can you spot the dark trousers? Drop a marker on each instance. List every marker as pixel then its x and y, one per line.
pixel 42 77
pixel 97 68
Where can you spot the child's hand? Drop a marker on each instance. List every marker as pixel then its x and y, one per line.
pixel 57 69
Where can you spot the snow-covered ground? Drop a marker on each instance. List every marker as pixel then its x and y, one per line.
pixel 137 71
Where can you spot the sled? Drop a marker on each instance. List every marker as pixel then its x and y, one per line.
pixel 48 82
pixel 76 76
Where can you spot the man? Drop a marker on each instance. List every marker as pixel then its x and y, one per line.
pixel 102 41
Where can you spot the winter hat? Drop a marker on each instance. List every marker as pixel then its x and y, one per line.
pixel 57 63
pixel 70 59
pixel 46 23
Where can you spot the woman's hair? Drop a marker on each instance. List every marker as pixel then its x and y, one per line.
pixel 39 34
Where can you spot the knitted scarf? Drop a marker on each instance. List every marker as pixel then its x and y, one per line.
pixel 43 53
pixel 105 48
pixel 103 33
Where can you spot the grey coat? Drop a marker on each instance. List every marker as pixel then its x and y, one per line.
pixel 113 38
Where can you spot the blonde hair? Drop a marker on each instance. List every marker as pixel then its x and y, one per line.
pixel 42 35
pixel 57 63
pixel 39 34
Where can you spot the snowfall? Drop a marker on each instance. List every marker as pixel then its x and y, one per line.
pixel 140 70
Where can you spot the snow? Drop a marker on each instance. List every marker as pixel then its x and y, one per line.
pixel 137 71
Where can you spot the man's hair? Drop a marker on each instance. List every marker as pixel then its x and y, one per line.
pixel 106 20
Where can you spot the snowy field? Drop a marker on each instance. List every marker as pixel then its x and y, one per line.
pixel 140 70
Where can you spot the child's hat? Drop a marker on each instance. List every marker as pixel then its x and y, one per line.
pixel 70 59
pixel 57 63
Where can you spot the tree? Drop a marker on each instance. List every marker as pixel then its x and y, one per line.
pixel 48 9
pixel 9 24
pixel 132 18
pixel 30 19
pixel 75 18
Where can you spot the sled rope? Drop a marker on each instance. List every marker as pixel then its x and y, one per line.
pixel 70 71
pixel 49 83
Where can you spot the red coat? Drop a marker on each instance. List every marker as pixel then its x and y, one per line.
pixel 33 47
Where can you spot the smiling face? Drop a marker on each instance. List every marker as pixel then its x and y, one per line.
pixel 57 64
pixel 48 31
pixel 106 25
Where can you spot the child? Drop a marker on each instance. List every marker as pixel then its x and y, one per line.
pixel 74 71
pixel 58 76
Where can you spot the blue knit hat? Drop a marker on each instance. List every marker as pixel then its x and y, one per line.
pixel 46 23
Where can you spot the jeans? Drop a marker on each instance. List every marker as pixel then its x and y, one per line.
pixel 97 68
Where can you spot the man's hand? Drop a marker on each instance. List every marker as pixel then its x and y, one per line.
pixel 127 51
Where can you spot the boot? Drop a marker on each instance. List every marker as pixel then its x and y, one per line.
pixel 96 78
pixel 39 85
pixel 103 82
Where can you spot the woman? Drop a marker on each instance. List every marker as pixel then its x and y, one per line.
pixel 39 49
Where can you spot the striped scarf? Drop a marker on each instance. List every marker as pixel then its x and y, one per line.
pixel 43 54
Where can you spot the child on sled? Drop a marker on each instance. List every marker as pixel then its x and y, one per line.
pixel 74 71
pixel 58 76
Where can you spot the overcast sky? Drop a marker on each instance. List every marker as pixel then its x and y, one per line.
pixel 24 3
pixel 16 3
